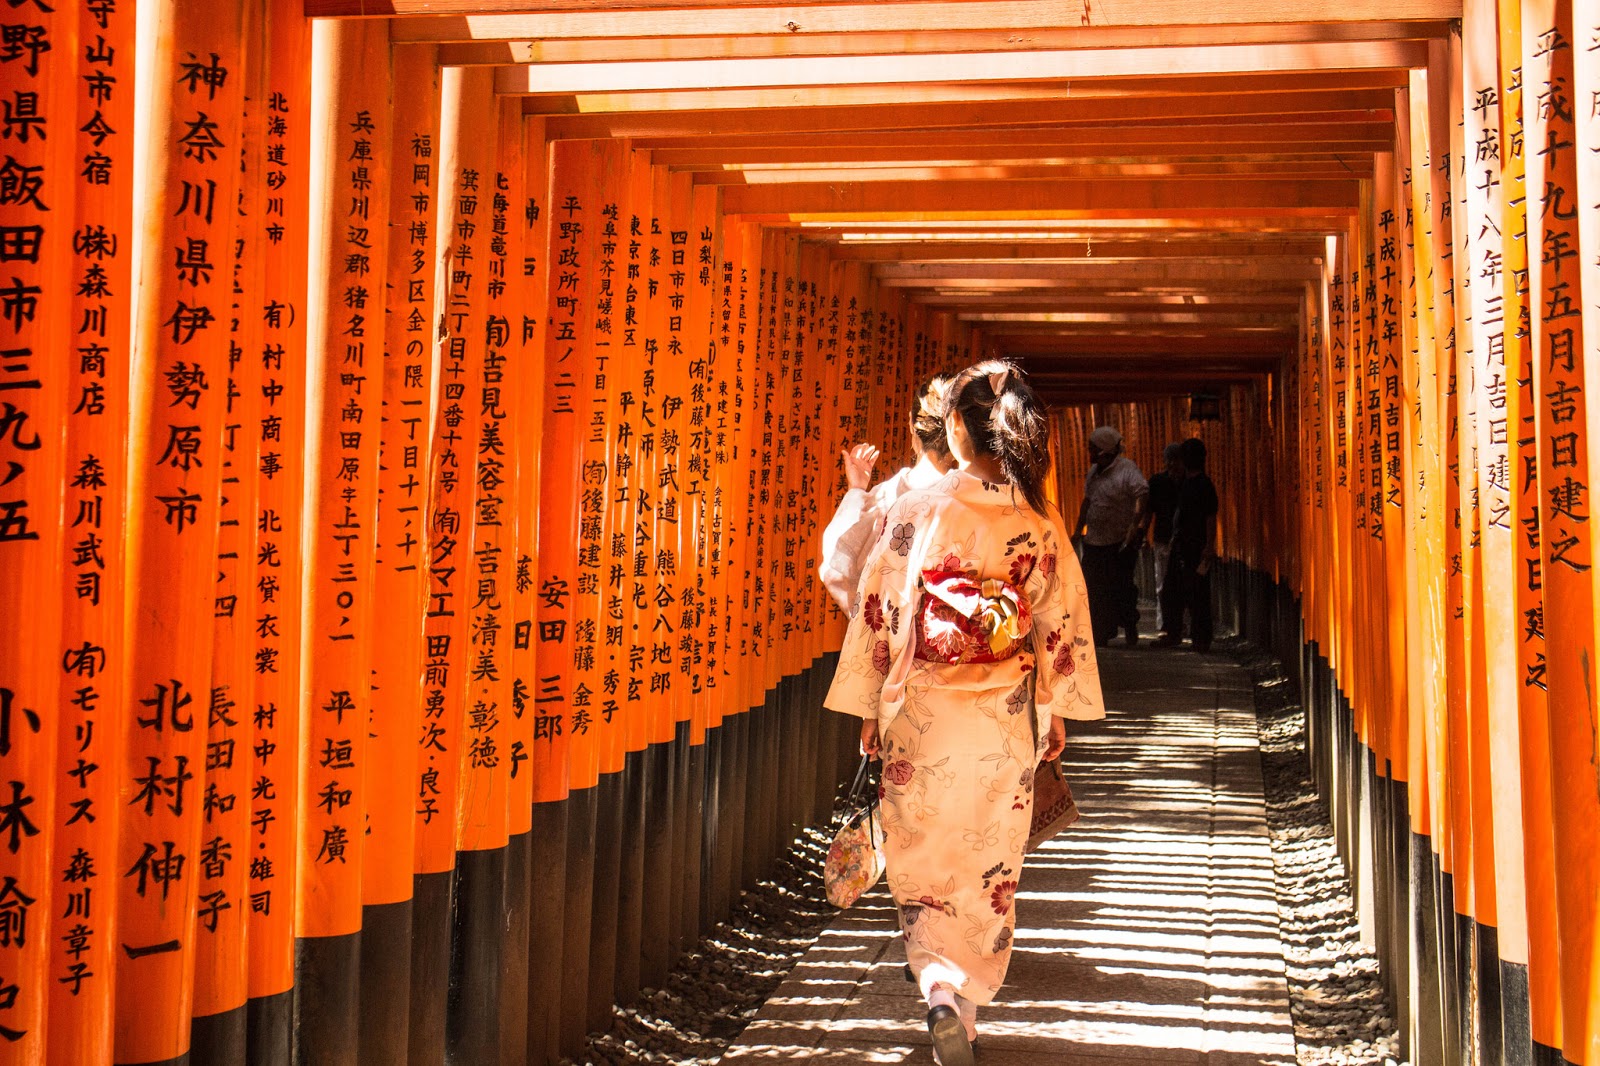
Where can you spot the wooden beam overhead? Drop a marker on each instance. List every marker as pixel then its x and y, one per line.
pixel 1063 64
pixel 1178 135
pixel 1082 250
pixel 1285 269
pixel 1199 348
pixel 1218 318
pixel 1094 229
pixel 910 42
pixel 978 106
pixel 1072 301
pixel 1329 170
pixel 469 20
pixel 701 159
pixel 883 95
pixel 997 199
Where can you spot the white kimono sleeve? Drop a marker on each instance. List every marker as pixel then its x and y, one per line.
pixel 845 543
pixel 880 641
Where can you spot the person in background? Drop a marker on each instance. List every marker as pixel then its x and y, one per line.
pixel 1163 504
pixel 1111 524
pixel 970 652
pixel 858 520
pixel 1194 549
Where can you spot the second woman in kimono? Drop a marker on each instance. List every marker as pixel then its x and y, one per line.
pixel 969 650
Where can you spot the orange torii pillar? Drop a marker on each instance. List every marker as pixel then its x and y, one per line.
pixel 400 576
pixel 91 645
pixel 1566 558
pixel 474 741
pixel 221 977
pixel 530 220
pixel 566 277
pixel 1522 406
pixel 38 273
pixel 508 382
pixel 274 750
pixel 603 516
pixel 345 334
pixel 181 347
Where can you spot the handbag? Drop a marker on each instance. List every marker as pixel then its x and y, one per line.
pixel 1053 806
pixel 855 858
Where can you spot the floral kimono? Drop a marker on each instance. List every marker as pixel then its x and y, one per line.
pixel 973 629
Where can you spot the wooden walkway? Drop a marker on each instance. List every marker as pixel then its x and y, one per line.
pixel 1147 934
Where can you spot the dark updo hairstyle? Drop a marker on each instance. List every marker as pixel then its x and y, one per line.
pixel 927 415
pixel 1005 419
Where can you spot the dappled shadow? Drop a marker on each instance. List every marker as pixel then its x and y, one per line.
pixel 1148 933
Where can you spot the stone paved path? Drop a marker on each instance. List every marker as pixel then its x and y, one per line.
pixel 1148 933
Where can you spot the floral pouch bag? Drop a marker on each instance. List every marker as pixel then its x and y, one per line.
pixel 855 858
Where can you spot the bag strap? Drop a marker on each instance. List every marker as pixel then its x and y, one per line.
pixel 859 788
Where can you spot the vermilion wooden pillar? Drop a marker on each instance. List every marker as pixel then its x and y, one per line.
pixel 633 470
pixel 221 979
pixel 181 347
pixel 511 299
pixel 274 706
pixel 36 298
pixel 402 552
pixel 1565 544
pixel 86 818
pixel 351 111
pixel 1544 1000
pixel 478 286
pixel 603 516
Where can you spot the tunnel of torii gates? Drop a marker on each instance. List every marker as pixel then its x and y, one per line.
pixel 415 433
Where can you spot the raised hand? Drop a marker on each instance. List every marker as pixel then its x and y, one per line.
pixel 858 464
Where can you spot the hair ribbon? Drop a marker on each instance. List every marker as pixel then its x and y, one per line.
pixel 997 381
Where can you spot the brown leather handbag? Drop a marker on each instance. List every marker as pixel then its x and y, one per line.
pixel 1053 806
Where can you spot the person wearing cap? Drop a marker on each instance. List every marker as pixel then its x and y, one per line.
pixel 1111 527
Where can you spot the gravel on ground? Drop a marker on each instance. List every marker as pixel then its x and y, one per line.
pixel 1342 1015
pixel 718 987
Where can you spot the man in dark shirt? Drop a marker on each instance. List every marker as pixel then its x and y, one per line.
pixel 1163 504
pixel 1194 548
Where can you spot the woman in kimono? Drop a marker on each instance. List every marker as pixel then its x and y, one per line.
pixel 971 648
pixel 855 525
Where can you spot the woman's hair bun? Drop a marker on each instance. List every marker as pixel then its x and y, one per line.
pixel 1005 418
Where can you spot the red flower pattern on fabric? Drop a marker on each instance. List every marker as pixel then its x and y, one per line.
pixel 899 772
pixel 1065 661
pixel 1021 568
pixel 880 656
pixel 872 612
pixel 1002 896
pixel 1047 564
